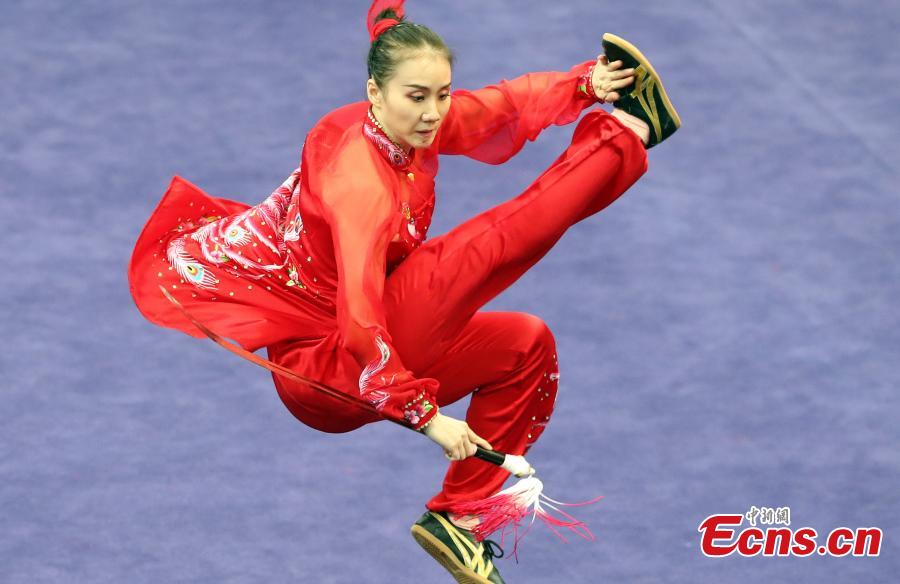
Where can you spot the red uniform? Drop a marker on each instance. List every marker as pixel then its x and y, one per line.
pixel 333 274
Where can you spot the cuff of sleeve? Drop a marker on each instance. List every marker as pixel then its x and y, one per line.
pixel 422 407
pixel 586 86
pixel 420 411
pixel 402 398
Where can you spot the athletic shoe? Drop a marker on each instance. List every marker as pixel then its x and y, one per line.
pixel 645 98
pixel 469 561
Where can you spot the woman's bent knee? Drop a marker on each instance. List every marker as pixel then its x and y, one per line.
pixel 536 338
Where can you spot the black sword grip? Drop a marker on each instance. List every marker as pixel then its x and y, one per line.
pixel 491 456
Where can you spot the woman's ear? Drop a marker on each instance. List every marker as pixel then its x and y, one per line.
pixel 373 93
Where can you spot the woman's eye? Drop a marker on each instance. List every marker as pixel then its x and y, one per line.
pixel 420 98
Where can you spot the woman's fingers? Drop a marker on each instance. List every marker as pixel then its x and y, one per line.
pixel 479 440
pixel 620 83
pixel 466 444
pixel 460 451
pixel 610 78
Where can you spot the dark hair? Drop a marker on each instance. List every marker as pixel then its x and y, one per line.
pixel 395 43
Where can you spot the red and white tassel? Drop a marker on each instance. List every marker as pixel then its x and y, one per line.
pixel 509 506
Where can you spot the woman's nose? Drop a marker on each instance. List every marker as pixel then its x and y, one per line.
pixel 431 113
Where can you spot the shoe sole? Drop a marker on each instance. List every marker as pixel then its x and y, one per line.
pixel 440 552
pixel 640 58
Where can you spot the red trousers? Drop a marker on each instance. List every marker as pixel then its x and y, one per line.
pixel 506 360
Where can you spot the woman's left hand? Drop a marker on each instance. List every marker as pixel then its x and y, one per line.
pixel 608 77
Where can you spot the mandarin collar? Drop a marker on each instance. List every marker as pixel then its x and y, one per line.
pixel 395 155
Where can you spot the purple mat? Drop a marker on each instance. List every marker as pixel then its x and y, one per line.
pixel 727 330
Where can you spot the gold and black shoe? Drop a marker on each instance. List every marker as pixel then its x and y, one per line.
pixel 645 98
pixel 469 561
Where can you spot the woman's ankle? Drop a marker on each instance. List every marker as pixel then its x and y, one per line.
pixel 633 123
pixel 466 522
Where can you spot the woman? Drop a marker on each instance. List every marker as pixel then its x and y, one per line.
pixel 332 273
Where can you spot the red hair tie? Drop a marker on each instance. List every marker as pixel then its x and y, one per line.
pixel 375 29
pixel 382 26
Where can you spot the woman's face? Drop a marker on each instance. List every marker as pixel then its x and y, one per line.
pixel 415 99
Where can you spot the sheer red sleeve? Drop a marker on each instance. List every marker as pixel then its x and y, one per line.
pixel 362 215
pixel 492 124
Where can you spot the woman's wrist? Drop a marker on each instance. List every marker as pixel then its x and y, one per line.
pixel 427 424
pixel 586 85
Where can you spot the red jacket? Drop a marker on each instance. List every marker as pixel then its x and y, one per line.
pixel 313 257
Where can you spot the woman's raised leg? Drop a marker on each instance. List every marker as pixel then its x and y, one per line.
pixel 432 295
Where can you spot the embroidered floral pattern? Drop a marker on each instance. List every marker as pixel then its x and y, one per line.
pixel 417 411
pixel 294 277
pixel 586 85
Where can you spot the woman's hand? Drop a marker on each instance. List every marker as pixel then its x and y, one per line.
pixel 454 436
pixel 607 78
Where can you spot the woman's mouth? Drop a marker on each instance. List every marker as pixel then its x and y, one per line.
pixel 426 133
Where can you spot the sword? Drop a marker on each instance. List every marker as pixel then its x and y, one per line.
pixel 511 462
pixel 498 511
